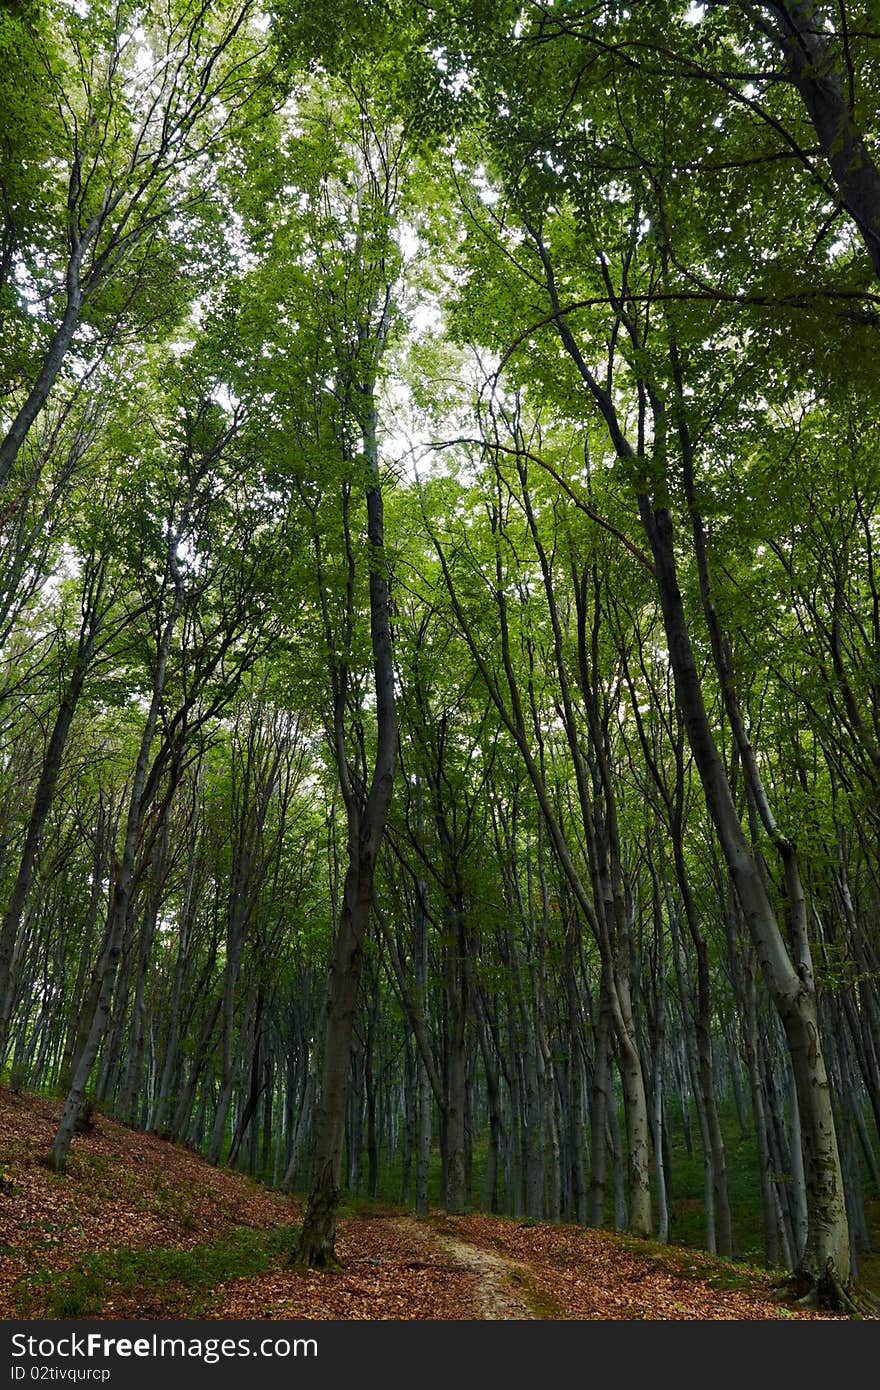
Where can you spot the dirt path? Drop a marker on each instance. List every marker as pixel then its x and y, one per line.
pixel 392 1265
pixel 497 1280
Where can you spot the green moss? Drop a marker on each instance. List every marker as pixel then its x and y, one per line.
pixel 540 1303
pixel 185 1280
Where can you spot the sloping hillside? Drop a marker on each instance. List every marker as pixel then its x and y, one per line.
pixel 141 1228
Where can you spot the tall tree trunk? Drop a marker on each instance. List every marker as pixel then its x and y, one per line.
pixel 366 827
pixel 825 1260
pixel 602 1099
pixel 818 73
pixel 455 1184
pixel 53 360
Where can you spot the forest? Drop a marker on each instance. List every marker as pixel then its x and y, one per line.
pixel 440 605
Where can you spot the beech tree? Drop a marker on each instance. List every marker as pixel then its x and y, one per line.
pixel 580 303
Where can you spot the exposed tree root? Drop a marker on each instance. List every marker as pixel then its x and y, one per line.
pixel 826 1293
pixel 835 1297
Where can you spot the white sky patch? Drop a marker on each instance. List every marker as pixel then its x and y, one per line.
pixel 842 245
pixel 426 318
pixel 694 13
pixel 224 399
pixel 143 60
pixel 408 240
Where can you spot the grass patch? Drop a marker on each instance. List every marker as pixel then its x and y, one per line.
pixel 350 1204
pixel 540 1303
pixel 715 1271
pixel 179 1282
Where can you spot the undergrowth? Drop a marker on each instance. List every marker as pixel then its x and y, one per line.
pixel 185 1281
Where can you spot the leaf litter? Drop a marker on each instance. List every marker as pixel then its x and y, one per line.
pixel 127 1192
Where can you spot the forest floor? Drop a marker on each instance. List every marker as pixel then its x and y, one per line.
pixel 141 1228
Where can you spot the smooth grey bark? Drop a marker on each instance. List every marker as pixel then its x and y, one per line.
pixel 413 1003
pixel 769 1201
pixel 700 1059
pixel 575 1087
pixel 543 1025
pixel 734 1071
pixel 370 1089
pixel 707 1079
pixel 253 1066
pixel 616 1150
pixel 778 1148
pixel 304 1119
pixel 689 1044
pixel 105 837
pixel 680 1063
pixel 409 1104
pixel 610 919
pixel 455 826
pixel 798 1184
pixel 531 1116
pixel 423 1142
pixel 743 979
pixel 183 1116
pixel 698 1045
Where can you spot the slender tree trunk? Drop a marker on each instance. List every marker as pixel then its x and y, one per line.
pixel 171 1063
pixel 123 880
pixel 826 1256
pixel 425 1065
pixel 50 366
pixel 366 827
pixel 601 1102
pixel 493 1096
pixel 45 792
pixel 454 1132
